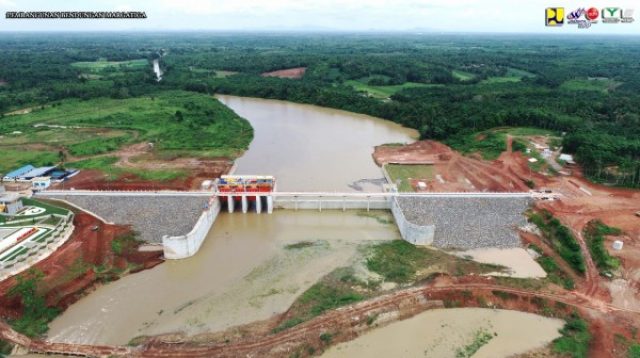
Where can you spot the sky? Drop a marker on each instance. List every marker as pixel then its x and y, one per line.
pixel 508 16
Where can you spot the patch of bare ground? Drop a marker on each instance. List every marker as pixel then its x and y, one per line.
pixel 291 73
pixel 140 156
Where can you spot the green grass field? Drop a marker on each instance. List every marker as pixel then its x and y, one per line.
pixel 488 143
pixel 213 73
pixel 462 75
pixel 13 158
pixel 97 66
pixel 512 75
pixel 106 164
pixel 602 85
pixel 526 131
pixel 384 92
pixel 177 122
pixel 404 172
pixel 222 74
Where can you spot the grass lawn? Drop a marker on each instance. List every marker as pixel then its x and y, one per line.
pixel 514 72
pixel 213 73
pixel 222 74
pixel 512 75
pixel 50 209
pixel 526 131
pixel 404 172
pixel 106 164
pixel 96 66
pixel 386 91
pixel 462 75
pixel 13 158
pixel 600 85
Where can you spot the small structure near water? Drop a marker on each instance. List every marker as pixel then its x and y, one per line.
pixel 247 190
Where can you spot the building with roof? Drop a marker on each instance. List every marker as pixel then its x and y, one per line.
pixel 40 183
pixel 567 158
pixel 14 175
pixel 10 203
pixel 36 173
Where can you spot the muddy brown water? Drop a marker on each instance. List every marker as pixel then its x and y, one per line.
pixel 311 148
pixel 244 272
pixel 446 333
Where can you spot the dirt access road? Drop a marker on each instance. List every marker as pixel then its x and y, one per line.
pixel 344 324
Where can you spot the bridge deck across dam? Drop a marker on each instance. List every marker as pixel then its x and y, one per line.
pixel 300 199
pixel 301 194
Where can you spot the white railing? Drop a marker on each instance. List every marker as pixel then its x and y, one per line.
pixel 55 239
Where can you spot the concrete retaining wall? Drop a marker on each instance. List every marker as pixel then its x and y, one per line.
pixel 183 246
pixel 415 234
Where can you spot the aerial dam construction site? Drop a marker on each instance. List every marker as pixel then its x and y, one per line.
pixel 282 254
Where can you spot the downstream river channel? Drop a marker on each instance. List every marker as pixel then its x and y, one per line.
pixel 244 271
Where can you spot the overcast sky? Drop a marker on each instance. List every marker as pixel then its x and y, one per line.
pixel 340 15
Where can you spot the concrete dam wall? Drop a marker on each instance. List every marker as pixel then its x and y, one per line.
pixel 183 246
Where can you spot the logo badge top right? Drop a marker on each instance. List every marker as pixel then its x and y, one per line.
pixel 585 17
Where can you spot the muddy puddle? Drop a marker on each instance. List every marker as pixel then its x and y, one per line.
pixel 518 261
pixel 447 332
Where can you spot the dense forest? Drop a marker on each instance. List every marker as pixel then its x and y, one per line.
pixel 446 86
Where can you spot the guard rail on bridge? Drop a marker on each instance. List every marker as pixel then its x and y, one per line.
pixel 276 194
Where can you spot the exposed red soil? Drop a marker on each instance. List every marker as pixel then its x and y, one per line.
pixel 98 180
pixel 457 172
pixel 140 156
pixel 87 248
pixel 291 73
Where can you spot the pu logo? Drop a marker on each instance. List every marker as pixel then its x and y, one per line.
pixel 554 16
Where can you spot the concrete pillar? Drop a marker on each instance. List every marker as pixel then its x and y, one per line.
pixel 245 204
pixel 368 202
pixel 344 203
pixel 258 204
pixel 270 204
pixel 320 204
pixel 230 203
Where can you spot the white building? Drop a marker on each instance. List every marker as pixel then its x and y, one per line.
pixel 40 183
pixel 567 158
